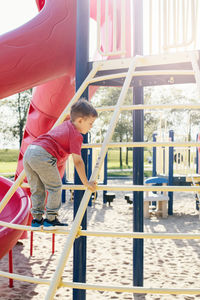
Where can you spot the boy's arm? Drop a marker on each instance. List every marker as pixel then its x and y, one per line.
pixel 80 168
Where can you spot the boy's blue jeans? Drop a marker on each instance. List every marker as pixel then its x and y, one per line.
pixel 43 176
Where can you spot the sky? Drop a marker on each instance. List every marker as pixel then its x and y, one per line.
pixel 14 13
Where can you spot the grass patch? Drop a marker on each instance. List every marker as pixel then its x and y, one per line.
pixel 120 173
pixel 127 173
pixel 8 161
pixel 114 159
pixel 9 158
pixel 9 155
pixel 114 169
pixel 8 167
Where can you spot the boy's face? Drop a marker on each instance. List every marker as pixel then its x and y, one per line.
pixel 84 124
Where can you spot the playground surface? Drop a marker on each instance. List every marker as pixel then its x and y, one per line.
pixel 167 263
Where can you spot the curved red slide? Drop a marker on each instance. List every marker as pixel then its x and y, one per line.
pixel 16 212
pixel 40 53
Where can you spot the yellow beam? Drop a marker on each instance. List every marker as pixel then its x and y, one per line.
pixel 143 73
pixel 145 144
pixel 138 235
pixel 123 289
pixel 24 278
pixel 142 235
pixel 131 289
pixel 151 107
pixel 149 60
pixel 132 188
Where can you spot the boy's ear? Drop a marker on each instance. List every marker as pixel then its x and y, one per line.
pixel 79 120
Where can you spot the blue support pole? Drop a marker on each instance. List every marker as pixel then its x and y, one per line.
pixel 197 157
pixel 64 181
pixel 105 178
pixel 82 58
pixel 154 171
pixel 90 170
pixel 171 172
pixel 138 153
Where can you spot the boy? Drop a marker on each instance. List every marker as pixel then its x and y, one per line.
pixel 44 163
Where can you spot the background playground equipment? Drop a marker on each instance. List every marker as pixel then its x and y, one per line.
pixel 173 163
pixel 137 71
pixel 184 159
pixel 156 202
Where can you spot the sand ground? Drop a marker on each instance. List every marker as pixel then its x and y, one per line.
pixel 167 263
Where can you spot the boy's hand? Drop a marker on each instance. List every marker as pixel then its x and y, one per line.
pixel 92 186
pixel 80 168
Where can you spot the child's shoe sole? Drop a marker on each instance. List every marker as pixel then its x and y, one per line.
pixel 36 228
pixel 49 228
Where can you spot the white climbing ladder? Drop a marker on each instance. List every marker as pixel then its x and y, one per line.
pixel 55 281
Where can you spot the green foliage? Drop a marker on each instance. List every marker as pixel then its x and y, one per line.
pixel 13 117
pixel 183 122
pixel 124 128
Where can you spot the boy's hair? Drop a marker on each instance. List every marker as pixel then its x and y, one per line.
pixel 82 109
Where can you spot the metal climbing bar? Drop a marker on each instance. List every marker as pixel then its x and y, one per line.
pixel 151 107
pixel 131 188
pixel 131 235
pixel 145 144
pixel 123 289
pixel 83 206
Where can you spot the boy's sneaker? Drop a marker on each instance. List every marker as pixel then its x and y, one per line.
pixel 37 225
pixel 52 225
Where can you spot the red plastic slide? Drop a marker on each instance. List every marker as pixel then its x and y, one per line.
pixel 40 54
pixel 17 211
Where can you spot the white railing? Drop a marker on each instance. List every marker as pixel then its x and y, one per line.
pixel 168 26
pixel 172 25
pixel 108 34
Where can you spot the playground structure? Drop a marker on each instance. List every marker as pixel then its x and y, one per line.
pixel 136 71
pixel 185 160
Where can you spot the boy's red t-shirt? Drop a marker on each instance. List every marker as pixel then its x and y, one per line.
pixel 61 141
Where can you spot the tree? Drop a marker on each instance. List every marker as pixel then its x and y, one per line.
pixel 15 110
pixel 124 128
pixel 181 121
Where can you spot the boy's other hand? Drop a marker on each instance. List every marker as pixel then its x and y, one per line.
pixel 92 186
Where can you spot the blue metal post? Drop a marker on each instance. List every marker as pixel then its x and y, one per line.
pixel 90 170
pixel 154 171
pixel 138 153
pixel 171 172
pixel 82 58
pixel 105 178
pixel 197 157
pixel 64 181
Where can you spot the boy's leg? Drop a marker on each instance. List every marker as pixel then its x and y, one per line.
pixel 37 189
pixel 45 165
pixel 53 185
